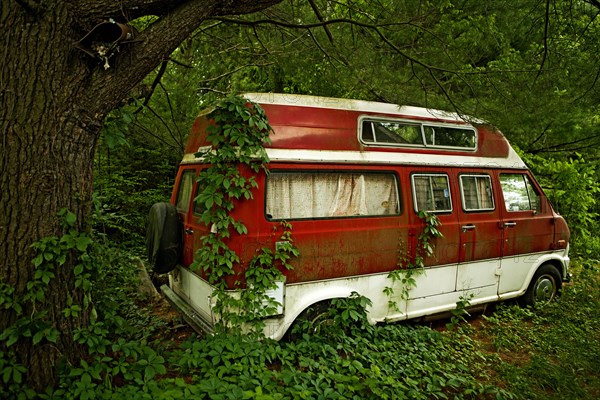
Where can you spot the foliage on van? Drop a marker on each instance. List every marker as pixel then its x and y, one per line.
pixel 409 269
pixel 238 134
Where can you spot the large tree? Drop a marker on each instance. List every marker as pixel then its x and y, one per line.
pixel 53 99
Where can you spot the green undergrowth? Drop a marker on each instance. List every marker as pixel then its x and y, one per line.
pixel 553 352
pixel 512 353
pixel 351 361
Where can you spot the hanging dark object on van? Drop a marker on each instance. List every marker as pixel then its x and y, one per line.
pixel 103 40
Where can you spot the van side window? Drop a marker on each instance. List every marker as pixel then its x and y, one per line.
pixel 410 134
pixel 392 132
pixel 431 192
pixel 443 136
pixel 476 192
pixel 184 192
pixel 519 193
pixel 302 195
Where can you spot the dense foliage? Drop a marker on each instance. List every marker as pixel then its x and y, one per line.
pixel 523 67
pixel 513 353
pixel 529 68
pixel 238 135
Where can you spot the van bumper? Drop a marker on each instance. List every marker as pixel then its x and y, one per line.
pixel 189 315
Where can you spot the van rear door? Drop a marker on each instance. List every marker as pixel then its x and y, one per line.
pixel 182 198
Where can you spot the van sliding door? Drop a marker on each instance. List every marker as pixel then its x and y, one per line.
pixel 433 192
pixel 480 235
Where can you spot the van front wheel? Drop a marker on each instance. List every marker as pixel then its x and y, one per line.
pixel 544 287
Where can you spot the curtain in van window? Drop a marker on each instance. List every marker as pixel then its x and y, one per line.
pixel 484 189
pixel 184 192
pixel 300 195
pixel 321 195
pixel 350 197
pixel 423 194
pixel 477 192
pixel 432 192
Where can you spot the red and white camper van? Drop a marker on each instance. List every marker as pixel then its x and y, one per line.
pixel 351 177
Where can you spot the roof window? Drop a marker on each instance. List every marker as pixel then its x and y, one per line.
pixel 398 133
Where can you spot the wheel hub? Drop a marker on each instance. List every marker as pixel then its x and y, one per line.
pixel 544 291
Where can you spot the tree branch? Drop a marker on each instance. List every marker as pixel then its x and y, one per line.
pixel 138 58
pixel 562 146
pixel 546 28
pixel 159 75
pixel 93 11
pixel 321 19
pixel 180 140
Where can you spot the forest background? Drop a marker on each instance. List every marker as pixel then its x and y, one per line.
pixel 531 68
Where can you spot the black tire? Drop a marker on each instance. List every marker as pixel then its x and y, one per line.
pixel 163 238
pixel 545 286
pixel 313 320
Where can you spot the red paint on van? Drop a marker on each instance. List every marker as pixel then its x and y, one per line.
pixel 493 239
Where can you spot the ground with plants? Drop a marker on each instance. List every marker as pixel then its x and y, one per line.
pixel 139 348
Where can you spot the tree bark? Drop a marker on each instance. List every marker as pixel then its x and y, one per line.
pixel 53 99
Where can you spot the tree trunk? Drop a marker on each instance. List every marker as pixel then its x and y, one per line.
pixel 53 99
pixel 47 152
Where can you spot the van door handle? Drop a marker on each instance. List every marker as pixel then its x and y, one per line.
pixel 189 231
pixel 469 227
pixel 509 224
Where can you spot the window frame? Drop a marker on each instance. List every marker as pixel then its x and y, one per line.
pixel 422 125
pixel 414 192
pixel 462 192
pixel 529 186
pixel 186 172
pixel 393 174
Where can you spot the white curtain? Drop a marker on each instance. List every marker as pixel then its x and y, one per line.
pixel 185 190
pixel 319 195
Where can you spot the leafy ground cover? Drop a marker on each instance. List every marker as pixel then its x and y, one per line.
pixel 142 350
pixel 549 353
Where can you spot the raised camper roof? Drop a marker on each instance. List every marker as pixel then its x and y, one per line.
pixel 331 130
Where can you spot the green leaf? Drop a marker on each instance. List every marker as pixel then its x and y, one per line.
pixel 37 261
pixel 83 242
pixel 38 337
pixel 70 218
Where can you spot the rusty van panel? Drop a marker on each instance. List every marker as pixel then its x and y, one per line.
pixel 301 127
pixel 300 137
pixel 197 136
pixel 346 248
pixel 492 142
pixel 330 247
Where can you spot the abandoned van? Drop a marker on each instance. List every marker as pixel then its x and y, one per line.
pixel 353 179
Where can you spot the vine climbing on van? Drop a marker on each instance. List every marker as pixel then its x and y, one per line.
pixel 237 136
pixel 408 270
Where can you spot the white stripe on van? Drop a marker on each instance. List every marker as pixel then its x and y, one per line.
pixel 298 100
pixel 371 157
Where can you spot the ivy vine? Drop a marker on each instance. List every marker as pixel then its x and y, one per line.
pixel 237 136
pixel 32 321
pixel 408 270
